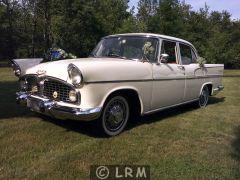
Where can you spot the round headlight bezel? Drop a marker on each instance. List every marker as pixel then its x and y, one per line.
pixel 16 69
pixel 75 75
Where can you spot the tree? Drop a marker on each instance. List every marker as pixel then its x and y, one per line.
pixel 167 19
pixel 83 23
pixel 29 27
pixel 146 9
pixel 10 7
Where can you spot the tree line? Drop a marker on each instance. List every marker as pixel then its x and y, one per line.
pixel 28 28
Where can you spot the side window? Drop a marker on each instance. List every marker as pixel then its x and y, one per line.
pixel 194 57
pixel 187 54
pixel 151 45
pixel 169 48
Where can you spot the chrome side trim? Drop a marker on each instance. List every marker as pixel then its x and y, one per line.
pixel 167 107
pixel 159 79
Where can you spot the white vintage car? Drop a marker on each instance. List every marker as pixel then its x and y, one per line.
pixel 126 73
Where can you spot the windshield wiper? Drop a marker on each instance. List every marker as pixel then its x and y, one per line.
pixel 115 55
pixel 118 56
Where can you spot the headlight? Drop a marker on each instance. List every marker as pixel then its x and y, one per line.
pixel 75 75
pixel 16 69
pixel 73 96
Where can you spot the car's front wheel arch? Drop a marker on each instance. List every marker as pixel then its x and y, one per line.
pixel 129 97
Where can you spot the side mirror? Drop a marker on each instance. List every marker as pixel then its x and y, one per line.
pixel 164 58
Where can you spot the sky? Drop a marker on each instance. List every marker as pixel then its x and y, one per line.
pixel 232 6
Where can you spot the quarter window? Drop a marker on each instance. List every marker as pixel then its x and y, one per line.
pixel 187 54
pixel 169 48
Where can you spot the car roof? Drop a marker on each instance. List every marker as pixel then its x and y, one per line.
pixel 152 35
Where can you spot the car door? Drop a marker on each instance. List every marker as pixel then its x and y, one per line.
pixel 194 74
pixel 168 78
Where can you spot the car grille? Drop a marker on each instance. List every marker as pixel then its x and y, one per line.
pixel 62 90
pixel 47 87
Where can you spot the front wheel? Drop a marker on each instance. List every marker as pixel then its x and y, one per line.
pixel 203 98
pixel 115 115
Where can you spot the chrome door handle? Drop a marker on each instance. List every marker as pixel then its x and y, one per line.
pixel 181 67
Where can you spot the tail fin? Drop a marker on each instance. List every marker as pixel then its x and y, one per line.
pixel 21 65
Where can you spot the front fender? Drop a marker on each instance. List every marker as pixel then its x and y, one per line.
pixel 96 94
pixel 123 88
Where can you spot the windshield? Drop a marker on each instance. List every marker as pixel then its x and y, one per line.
pixel 127 47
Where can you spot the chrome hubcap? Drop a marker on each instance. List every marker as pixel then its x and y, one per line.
pixel 115 115
pixel 203 99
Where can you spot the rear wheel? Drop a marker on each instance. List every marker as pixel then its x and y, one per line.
pixel 203 98
pixel 115 115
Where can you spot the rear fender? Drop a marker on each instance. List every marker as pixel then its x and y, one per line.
pixel 205 84
pixel 24 64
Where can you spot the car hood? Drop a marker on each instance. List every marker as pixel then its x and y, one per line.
pixel 96 69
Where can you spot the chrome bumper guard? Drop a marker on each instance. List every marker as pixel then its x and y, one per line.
pixel 217 90
pixel 53 109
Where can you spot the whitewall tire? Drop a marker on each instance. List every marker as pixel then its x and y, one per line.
pixel 115 116
pixel 203 98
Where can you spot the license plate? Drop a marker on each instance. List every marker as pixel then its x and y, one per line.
pixel 33 104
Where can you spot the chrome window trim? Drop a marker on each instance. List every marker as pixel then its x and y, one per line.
pixel 176 52
pixel 146 36
pixel 192 50
pixel 160 39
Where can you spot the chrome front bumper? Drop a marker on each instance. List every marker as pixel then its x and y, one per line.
pixel 54 109
pixel 217 90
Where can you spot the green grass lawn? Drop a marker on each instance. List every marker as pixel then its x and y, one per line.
pixel 180 143
pixel 232 72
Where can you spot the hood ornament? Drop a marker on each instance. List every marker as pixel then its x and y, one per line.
pixel 41 72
